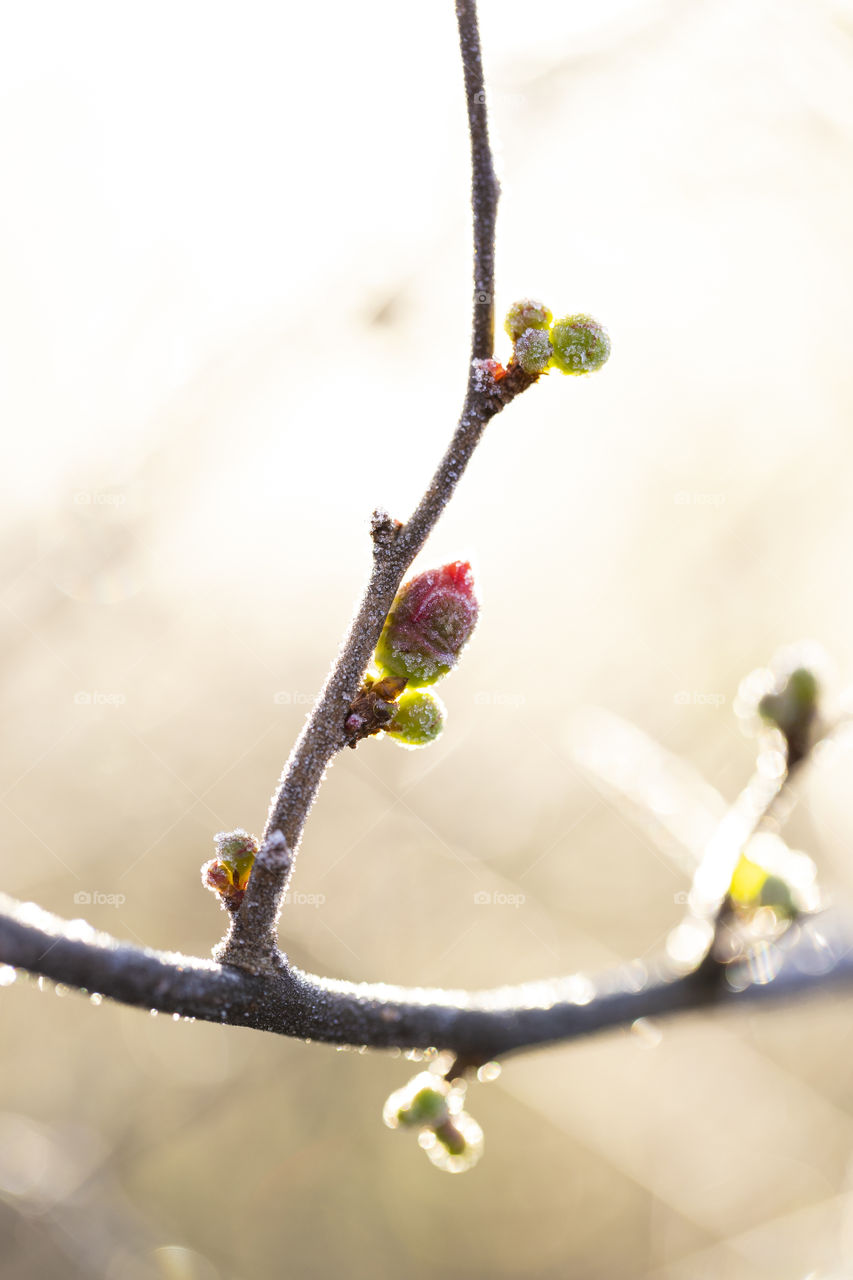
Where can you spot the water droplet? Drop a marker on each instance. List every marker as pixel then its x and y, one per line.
pixel 153 1012
pixel 7 975
pixel 40 983
pixel 489 1072
pixel 688 943
pixel 176 1017
pixel 60 989
pixel 647 1032
pixel 95 998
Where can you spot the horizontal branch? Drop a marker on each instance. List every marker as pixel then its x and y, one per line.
pixel 480 1025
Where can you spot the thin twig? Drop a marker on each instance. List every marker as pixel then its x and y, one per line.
pixel 395 546
pixel 709 903
pixel 485 189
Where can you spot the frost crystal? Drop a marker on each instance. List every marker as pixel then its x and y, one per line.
pixel 533 351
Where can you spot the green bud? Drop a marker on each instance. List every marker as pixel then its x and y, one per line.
pixel 418 720
pixel 528 313
pixel 581 344
pixel 792 706
pixel 420 1104
pixel 533 351
pixel 775 893
pixel 427 1108
pixel 451 1138
pixel 228 873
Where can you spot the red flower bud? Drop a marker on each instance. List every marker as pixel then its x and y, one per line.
pixel 429 624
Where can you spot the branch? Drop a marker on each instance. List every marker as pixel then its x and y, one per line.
pixel 478 1025
pixel 709 905
pixel 485 189
pixel 395 546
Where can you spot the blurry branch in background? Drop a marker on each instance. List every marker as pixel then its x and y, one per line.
pixel 749 930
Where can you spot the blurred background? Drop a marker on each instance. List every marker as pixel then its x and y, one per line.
pixel 235 265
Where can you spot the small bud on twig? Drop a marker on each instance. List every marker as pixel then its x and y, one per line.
pixel 526 314
pixel 430 623
pixel 533 351
pixel 581 344
pixel 418 720
pixel 383 527
pixel 228 873
pixel 451 1138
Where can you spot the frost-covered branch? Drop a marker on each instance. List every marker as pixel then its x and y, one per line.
pixel 476 1025
pixel 395 545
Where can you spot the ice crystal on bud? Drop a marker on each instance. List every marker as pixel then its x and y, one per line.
pixel 533 351
pixel 528 313
pixel 581 344
pixel 418 720
pixel 430 623
pixel 228 873
pixel 487 372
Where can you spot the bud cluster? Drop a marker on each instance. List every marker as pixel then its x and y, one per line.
pixel 576 344
pixel 428 626
pixel 433 1106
